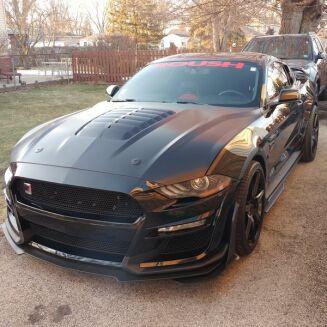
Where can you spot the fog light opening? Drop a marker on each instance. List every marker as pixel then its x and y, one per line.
pixel 175 228
pixel 156 264
pixel 201 221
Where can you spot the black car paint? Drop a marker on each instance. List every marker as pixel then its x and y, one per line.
pixel 315 65
pixel 190 127
pixel 191 141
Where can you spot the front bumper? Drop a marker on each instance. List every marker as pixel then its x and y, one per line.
pixel 126 270
pixel 119 272
pixel 44 235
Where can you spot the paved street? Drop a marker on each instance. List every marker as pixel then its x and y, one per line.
pixel 283 283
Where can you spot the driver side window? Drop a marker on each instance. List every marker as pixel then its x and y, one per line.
pixel 315 47
pixel 276 80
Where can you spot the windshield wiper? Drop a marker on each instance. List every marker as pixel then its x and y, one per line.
pixel 124 100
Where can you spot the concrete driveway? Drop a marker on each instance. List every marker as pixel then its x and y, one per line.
pixel 283 283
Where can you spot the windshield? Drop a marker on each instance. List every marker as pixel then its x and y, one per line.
pixel 221 83
pixel 283 47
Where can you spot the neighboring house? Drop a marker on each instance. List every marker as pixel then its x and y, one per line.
pixel 88 41
pixel 60 41
pixel 177 37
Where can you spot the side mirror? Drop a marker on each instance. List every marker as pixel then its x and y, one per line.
pixel 112 90
pixel 300 75
pixel 288 95
pixel 320 55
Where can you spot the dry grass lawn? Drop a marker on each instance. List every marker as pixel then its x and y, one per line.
pixel 22 110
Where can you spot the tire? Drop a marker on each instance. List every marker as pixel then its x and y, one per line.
pixel 248 229
pixel 310 141
pixel 323 95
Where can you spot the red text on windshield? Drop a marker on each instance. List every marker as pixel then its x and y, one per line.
pixel 222 64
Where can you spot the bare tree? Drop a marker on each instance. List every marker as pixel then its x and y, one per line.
pixel 219 18
pixel 33 21
pixel 60 21
pixel 98 16
pixel 3 30
pixel 57 23
pixel 301 16
pixel 26 19
pixel 80 25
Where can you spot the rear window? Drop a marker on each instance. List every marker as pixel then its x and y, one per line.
pixel 221 83
pixel 283 47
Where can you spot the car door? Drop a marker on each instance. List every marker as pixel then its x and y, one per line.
pixel 321 61
pixel 285 118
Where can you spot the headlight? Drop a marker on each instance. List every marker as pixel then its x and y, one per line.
pixel 198 187
pixel 10 172
pixel 8 176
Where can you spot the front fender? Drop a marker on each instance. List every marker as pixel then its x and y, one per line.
pixel 246 146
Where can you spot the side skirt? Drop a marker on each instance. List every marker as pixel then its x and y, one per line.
pixel 276 187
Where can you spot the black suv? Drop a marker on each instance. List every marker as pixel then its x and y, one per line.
pixel 298 51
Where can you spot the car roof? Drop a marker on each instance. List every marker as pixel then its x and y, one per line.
pixel 253 57
pixel 282 35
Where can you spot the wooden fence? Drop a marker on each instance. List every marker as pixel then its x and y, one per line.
pixel 112 66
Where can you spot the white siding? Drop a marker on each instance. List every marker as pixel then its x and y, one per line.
pixel 179 41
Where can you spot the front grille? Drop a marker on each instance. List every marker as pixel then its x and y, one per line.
pixel 79 202
pixel 112 249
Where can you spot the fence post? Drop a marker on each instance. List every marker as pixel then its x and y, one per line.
pixel 13 71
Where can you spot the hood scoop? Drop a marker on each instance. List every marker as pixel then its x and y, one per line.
pixel 123 123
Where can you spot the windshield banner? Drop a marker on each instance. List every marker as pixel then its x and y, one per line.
pixel 220 64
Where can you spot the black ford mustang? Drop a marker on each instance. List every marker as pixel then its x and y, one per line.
pixel 171 177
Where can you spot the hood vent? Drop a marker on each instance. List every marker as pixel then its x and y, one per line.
pixel 122 124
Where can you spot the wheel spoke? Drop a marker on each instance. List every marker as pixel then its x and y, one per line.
pixel 249 226
pixel 255 186
pixel 315 133
pixel 257 217
pixel 248 208
pixel 259 196
pixel 254 207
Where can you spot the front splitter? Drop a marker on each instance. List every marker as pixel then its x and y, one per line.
pixel 216 263
pixel 15 247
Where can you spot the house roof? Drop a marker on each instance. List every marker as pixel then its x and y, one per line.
pixel 180 32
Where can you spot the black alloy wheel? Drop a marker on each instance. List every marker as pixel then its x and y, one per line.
pixel 254 208
pixel 310 141
pixel 315 135
pixel 251 199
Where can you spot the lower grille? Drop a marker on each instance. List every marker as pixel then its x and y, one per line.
pixel 111 249
pixel 189 243
pixel 78 201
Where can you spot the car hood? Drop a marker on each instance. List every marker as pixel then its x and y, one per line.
pixel 297 63
pixel 157 142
